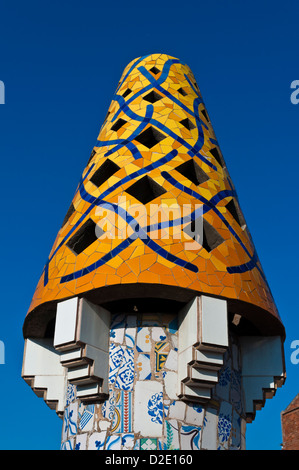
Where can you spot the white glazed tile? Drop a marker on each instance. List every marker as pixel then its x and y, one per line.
pixel 81 441
pixel 117 329
pixel 68 445
pixel 158 334
pixel 148 408
pixel 127 441
pixel 190 437
pixel 117 335
pixel 73 419
pixel 143 342
pixel 172 361
pixel 104 425
pixel 174 341
pixel 113 442
pixel 65 424
pixel 171 384
pixel 177 410
pixel 144 367
pixel 130 337
pixel 209 431
pixel 194 414
pixel 97 441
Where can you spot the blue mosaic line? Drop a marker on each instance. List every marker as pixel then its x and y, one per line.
pixel 242 268
pixel 130 70
pixel 193 150
pixel 92 200
pixel 208 205
pixel 124 106
pixel 139 233
pixel 140 128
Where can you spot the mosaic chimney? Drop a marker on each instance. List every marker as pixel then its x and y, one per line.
pixel 152 326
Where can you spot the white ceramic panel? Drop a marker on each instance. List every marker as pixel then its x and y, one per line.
pixel 148 408
pixel 40 358
pixel 53 387
pixel 214 328
pixel 65 324
pixel 93 325
pixel 188 321
pixel 209 432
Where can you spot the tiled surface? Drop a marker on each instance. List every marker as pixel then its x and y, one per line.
pixel 179 163
pixel 143 411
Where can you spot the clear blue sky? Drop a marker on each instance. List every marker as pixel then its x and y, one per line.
pixel 61 62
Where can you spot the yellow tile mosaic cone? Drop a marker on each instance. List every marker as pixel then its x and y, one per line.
pixel 155 174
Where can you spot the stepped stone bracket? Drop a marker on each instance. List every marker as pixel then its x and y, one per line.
pixel 43 372
pixel 82 338
pixel 263 370
pixel 203 340
pixel 78 354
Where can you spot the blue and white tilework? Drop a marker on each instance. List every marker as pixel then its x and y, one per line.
pixel 86 415
pixel 144 366
pixel 125 376
pixel 81 441
pixel 70 393
pixel 143 411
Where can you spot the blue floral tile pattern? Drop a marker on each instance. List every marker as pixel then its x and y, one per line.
pixel 125 377
pixel 137 386
pixel 155 408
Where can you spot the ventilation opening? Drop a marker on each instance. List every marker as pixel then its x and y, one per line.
pixel 84 237
pixel 154 70
pixel 104 172
pixel 118 124
pixel 235 212
pixel 182 92
pixel 127 92
pixel 203 111
pixel 150 137
pixel 193 172
pixel 204 233
pixel 216 154
pixel 145 190
pixel 152 97
pixel 188 124
pixel 70 211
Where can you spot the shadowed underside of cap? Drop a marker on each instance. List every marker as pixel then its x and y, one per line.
pixel 155 213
